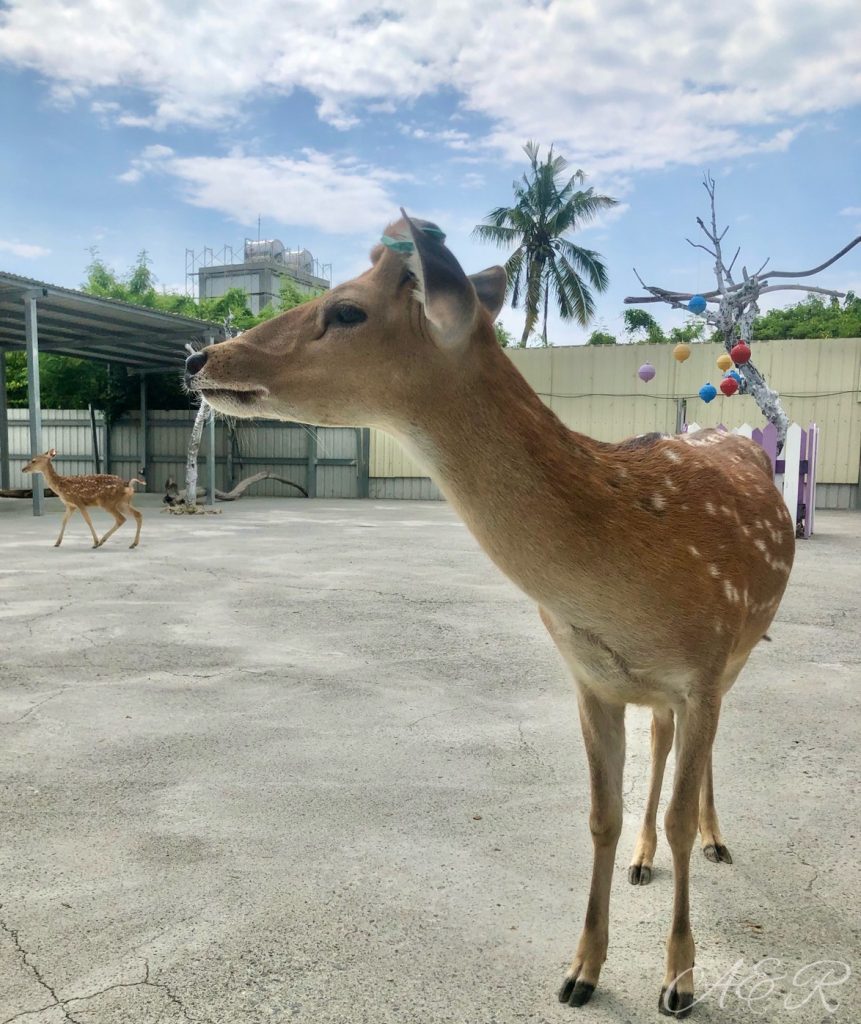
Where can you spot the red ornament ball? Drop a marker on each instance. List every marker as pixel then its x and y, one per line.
pixel 740 353
pixel 729 386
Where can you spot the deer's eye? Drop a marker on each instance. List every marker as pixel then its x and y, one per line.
pixel 347 314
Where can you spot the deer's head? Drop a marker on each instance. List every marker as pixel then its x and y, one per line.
pixel 39 463
pixel 366 352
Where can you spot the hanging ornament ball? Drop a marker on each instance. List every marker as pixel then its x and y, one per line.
pixel 736 376
pixel 729 386
pixel 724 361
pixel 682 351
pixel 708 392
pixel 646 372
pixel 697 304
pixel 740 353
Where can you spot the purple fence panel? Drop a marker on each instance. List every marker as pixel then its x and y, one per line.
pixel 769 443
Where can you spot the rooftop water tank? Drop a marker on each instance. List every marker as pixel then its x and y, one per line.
pixel 266 249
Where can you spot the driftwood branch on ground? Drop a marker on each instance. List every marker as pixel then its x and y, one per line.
pixel 174 496
pixel 24 492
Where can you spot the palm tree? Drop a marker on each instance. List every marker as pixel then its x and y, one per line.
pixel 544 261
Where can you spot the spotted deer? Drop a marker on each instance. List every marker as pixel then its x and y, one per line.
pixel 82 492
pixel 657 564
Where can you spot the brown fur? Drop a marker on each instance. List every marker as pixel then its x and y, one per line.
pixel 92 489
pixel 657 563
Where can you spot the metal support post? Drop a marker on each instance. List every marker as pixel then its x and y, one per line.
pixel 31 330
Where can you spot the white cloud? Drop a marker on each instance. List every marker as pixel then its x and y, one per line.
pixel 851 211
pixel 621 86
pixel 23 250
pixel 309 190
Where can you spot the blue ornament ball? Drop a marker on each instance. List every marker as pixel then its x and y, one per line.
pixel 697 304
pixel 736 376
pixel 708 392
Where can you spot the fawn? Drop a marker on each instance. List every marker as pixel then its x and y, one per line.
pixel 624 547
pixel 80 492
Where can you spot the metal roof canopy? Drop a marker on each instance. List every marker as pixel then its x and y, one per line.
pixel 39 317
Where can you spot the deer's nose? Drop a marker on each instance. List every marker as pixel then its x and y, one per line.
pixel 195 363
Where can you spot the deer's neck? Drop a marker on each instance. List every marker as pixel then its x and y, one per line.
pixel 507 463
pixel 52 477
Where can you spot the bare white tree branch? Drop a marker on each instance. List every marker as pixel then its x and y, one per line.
pixel 737 306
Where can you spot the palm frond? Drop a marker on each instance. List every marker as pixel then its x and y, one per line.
pixel 586 261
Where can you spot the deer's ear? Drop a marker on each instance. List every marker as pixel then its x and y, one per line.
pixel 490 286
pixel 442 287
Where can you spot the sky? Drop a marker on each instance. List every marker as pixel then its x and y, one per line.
pixel 169 126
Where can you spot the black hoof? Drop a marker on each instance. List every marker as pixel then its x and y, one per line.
pixel 717 854
pixel 639 874
pixel 575 992
pixel 675 1003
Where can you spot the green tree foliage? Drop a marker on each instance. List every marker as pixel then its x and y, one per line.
pixel 504 337
pixel 68 383
pixel 545 263
pixel 642 326
pixel 598 337
pixel 812 318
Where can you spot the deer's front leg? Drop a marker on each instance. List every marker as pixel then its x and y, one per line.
pixel 604 733
pixel 696 725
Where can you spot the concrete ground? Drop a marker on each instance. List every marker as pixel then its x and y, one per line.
pixel 318 761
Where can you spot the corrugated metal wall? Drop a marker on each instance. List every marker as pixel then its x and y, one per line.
pixel 282 448
pixel 593 389
pixel 67 430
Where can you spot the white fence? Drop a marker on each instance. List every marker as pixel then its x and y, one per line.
pixel 794 468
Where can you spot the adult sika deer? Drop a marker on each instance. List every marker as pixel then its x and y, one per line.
pixel 621 545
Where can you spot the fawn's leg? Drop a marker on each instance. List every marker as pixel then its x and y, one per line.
pixel 67 515
pixel 89 523
pixel 663 727
pixel 713 845
pixel 604 733
pixel 138 520
pixel 697 724
pixel 119 519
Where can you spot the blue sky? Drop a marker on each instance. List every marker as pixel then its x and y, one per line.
pixel 175 125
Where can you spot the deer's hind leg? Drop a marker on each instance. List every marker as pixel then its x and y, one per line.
pixel 603 727
pixel 131 510
pixel 119 519
pixel 714 847
pixel 663 728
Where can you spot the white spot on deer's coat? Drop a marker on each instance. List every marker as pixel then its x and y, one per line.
pixel 669 484
pixel 730 591
pixel 759 544
pixel 694 551
pixel 672 455
pixel 713 569
pixel 658 501
pixel 709 507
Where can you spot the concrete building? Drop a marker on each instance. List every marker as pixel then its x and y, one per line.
pixel 265 267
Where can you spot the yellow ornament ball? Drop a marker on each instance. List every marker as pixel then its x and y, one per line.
pixel 681 352
pixel 724 361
